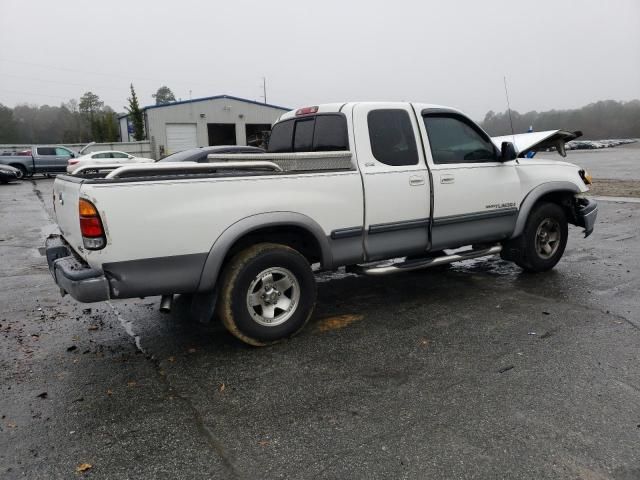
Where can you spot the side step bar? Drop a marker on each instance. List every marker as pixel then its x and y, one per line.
pixel 428 262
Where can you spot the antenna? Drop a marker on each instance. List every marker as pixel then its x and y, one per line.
pixel 506 92
pixel 264 89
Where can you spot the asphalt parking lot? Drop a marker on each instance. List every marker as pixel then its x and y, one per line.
pixel 474 372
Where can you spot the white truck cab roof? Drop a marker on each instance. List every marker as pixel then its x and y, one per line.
pixel 345 106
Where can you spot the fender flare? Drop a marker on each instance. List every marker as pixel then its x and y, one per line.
pixel 534 195
pixel 225 241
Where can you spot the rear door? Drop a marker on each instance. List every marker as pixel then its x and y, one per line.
pixel 475 194
pixel 45 159
pixel 181 136
pixel 395 178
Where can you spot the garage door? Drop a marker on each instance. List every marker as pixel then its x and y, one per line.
pixel 181 136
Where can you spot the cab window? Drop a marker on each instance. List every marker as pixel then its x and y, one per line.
pixel 457 140
pixel 46 151
pixel 319 133
pixel 303 136
pixel 62 152
pixel 391 136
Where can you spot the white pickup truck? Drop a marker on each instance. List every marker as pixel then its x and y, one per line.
pixel 348 184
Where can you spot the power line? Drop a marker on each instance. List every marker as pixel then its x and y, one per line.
pixel 41 95
pixel 105 74
pixel 84 85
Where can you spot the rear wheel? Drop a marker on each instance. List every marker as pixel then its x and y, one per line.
pixel 268 293
pixel 543 240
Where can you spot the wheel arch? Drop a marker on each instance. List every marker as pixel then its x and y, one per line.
pixel 21 167
pixel 289 228
pixel 555 192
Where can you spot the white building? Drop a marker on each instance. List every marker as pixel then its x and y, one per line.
pixel 219 120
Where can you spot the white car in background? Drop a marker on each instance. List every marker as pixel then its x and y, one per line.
pixel 104 157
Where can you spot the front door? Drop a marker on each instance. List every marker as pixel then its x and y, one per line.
pixel 395 180
pixel 62 159
pixel 475 194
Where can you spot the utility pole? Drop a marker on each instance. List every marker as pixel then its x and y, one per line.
pixel 264 89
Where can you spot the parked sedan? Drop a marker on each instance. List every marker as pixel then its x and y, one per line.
pixel 9 174
pixel 105 157
pixel 200 154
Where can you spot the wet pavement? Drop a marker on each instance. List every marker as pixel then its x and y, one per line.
pixel 620 163
pixel 474 371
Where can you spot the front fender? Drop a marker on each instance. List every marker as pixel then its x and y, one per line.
pixel 536 194
pixel 225 241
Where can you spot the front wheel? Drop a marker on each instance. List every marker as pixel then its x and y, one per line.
pixel 543 240
pixel 268 292
pixel 22 170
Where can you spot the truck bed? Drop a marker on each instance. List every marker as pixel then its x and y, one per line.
pixel 150 214
pixel 307 162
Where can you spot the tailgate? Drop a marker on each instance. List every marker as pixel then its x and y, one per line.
pixel 66 193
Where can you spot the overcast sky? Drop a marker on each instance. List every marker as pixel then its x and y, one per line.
pixel 554 53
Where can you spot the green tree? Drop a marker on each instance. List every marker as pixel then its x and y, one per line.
pixel 164 95
pixel 599 120
pixel 136 116
pixel 8 130
pixel 110 125
pixel 90 106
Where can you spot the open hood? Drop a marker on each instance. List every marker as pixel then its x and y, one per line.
pixel 538 141
pixel 85 147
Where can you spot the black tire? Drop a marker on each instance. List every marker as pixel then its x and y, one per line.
pixel 3 181
pixel 246 279
pixel 23 170
pixel 535 252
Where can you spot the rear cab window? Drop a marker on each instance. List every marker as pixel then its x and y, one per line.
pixel 391 135
pixel 324 132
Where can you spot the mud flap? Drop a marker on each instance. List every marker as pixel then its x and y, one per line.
pixel 203 306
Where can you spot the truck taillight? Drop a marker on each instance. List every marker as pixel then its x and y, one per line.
pixel 91 228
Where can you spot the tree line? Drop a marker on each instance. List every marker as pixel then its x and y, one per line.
pixel 89 119
pixel 84 120
pixel 597 121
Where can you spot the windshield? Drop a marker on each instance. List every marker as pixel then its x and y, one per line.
pixel 182 156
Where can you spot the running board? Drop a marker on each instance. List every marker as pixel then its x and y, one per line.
pixel 410 265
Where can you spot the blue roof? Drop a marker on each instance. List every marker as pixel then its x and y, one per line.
pixel 216 97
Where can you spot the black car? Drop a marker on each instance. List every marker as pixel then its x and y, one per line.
pixel 9 174
pixel 200 154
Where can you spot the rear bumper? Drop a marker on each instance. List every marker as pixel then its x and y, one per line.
pixel 586 211
pixel 74 277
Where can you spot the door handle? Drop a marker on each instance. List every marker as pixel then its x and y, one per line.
pixel 416 180
pixel 447 179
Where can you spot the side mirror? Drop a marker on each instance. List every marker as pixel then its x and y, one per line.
pixel 508 152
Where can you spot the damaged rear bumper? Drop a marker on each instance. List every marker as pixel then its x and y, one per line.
pixel 73 276
pixel 586 212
